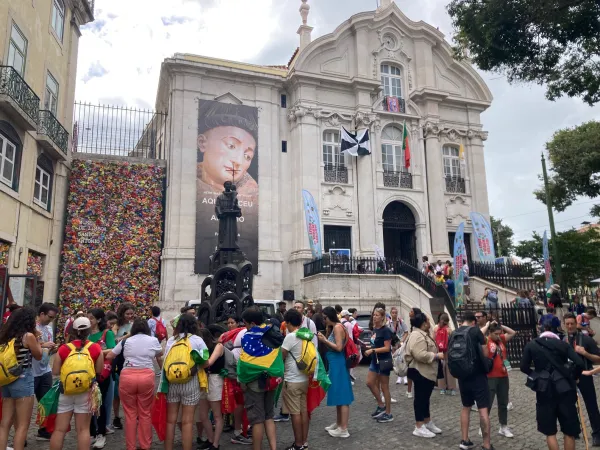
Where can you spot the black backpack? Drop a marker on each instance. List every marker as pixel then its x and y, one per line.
pixel 119 361
pixel 461 355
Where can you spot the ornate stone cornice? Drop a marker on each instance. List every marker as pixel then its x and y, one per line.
pixel 453 134
pixel 330 118
pixel 367 119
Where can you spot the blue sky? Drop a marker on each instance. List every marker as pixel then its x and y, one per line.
pixel 120 56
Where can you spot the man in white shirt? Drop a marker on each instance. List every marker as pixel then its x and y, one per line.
pixel 306 322
pixel 155 318
pixel 295 385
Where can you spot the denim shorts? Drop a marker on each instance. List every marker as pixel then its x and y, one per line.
pixel 374 367
pixel 20 388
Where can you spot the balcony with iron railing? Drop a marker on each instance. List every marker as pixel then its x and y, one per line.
pixel 52 135
pixel 18 99
pixel 335 173
pixel 455 185
pixel 395 179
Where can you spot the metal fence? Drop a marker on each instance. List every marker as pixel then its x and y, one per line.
pixel 524 320
pixel 119 131
pixel 512 276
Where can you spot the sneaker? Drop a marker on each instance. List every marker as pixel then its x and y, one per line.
pixel 331 427
pixel 393 400
pixel 452 392
pixel 92 440
pixel 505 431
pixel 385 418
pixel 205 445
pixel 240 439
pixel 423 432
pixel 110 430
pixel 491 447
pixel 43 435
pixel 100 442
pixel 480 433
pixel 431 427
pixel 199 441
pixel 466 445
pixel 339 433
pixel 117 423
pixel 409 395
pixel 378 412
pixel 509 406
pixel 474 407
pixel 443 392
pixel 399 380
pixel 281 418
pixel 293 447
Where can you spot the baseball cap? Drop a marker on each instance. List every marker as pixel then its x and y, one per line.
pixel 80 313
pixel 345 313
pixel 82 323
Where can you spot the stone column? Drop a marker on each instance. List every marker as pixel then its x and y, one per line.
pixel 478 179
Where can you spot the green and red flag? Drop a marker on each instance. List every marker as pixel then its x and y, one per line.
pixel 406 147
pixel 320 382
pixel 47 408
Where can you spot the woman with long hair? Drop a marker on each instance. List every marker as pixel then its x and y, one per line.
pixel 378 378
pixel 18 396
pixel 79 404
pixel 340 392
pixel 409 387
pixel 185 395
pixel 125 315
pixel 400 329
pixel 136 386
pixel 422 357
pixel 104 337
pixel 441 335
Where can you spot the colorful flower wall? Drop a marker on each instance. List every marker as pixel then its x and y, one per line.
pixel 35 264
pixel 4 248
pixel 113 237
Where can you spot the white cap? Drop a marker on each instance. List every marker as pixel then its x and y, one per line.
pixel 82 323
pixel 345 313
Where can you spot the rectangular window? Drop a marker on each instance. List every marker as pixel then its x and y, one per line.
pixel 283 146
pixel 8 153
pixel 51 100
pixel 58 18
pixel 332 154
pixel 17 50
pixel 393 158
pixel 452 167
pixel 41 190
pixel 283 101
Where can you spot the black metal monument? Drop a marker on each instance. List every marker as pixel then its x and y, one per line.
pixel 228 289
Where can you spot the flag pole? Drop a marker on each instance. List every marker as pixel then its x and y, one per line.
pixel 357 190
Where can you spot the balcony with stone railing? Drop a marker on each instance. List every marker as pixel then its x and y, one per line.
pixel 17 99
pixel 52 135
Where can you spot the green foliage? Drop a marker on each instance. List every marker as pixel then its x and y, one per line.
pixel 578 253
pixel 549 42
pixel 503 237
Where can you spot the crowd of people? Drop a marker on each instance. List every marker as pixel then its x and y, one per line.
pixel 117 356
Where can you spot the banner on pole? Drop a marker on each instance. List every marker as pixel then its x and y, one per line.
pixel 484 238
pixel 459 257
pixel 547 266
pixel 313 224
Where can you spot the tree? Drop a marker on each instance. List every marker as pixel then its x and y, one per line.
pixel 550 42
pixel 503 237
pixel 578 253
pixel 575 170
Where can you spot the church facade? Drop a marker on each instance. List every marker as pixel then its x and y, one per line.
pixel 275 131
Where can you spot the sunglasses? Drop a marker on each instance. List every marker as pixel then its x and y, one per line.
pixel 479 317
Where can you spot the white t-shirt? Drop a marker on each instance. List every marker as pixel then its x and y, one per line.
pixel 349 327
pixel 293 345
pixel 237 344
pixel 310 324
pixel 196 342
pixel 152 325
pixel 140 351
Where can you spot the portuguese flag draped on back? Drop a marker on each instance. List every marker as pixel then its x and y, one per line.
pixel 406 147
pixel 320 382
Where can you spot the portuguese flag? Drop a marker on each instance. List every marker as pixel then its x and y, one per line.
pixel 47 407
pixel 406 147
pixel 319 384
pixel 258 359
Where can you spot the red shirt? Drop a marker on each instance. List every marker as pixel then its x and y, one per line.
pixel 498 368
pixel 64 350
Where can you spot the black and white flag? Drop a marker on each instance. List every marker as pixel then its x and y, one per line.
pixel 356 144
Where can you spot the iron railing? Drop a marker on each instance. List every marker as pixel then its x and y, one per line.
pixel 119 131
pixel 335 173
pixel 397 179
pixel 401 105
pixel 51 127
pixel 512 276
pixel 455 185
pixel 13 85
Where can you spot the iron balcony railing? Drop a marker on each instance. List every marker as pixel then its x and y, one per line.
pixel 51 127
pixel 456 185
pixel 13 85
pixel 397 179
pixel 335 173
pixel 512 276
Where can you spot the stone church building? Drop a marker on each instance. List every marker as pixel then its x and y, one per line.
pixel 377 70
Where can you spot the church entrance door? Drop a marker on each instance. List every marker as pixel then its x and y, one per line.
pixel 399 233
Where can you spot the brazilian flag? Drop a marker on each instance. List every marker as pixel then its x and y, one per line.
pixel 257 358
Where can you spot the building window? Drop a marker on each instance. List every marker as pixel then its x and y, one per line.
pixel 453 171
pixel 51 99
pixel 391 80
pixel 43 183
pixel 395 173
pixel 17 50
pixel 58 18
pixel 334 160
pixel 8 161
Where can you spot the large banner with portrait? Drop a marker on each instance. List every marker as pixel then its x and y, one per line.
pixel 227 147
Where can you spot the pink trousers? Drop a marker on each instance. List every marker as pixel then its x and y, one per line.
pixel 136 389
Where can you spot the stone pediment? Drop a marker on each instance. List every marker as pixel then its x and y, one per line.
pixel 229 98
pixel 458 209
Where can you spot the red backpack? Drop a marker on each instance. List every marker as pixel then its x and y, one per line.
pixel 356 333
pixel 160 330
pixel 441 339
pixel 351 351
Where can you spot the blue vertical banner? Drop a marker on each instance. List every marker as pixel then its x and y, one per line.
pixel 459 256
pixel 547 266
pixel 484 238
pixel 313 224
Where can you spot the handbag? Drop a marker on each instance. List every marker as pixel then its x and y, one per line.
pixel 385 364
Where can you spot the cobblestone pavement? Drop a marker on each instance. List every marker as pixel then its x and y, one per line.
pixel 366 433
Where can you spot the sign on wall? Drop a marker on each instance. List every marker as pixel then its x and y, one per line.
pixel 227 149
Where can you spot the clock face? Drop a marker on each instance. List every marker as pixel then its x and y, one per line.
pixel 390 42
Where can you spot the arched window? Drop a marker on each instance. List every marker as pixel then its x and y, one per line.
pixel 42 190
pixel 58 18
pixel 392 154
pixel 11 148
pixel 391 80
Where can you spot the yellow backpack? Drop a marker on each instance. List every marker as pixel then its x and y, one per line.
pixel 78 371
pixel 308 358
pixel 179 365
pixel 10 369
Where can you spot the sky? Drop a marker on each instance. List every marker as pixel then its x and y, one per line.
pixel 120 55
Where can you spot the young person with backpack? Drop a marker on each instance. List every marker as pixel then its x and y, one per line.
pixel 125 315
pixel 441 332
pixel 340 392
pixel 135 357
pixel 490 298
pixel 468 361
pixel 18 346
pixel 295 379
pixel 422 356
pixel 400 330
pixel 82 357
pixel 158 326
